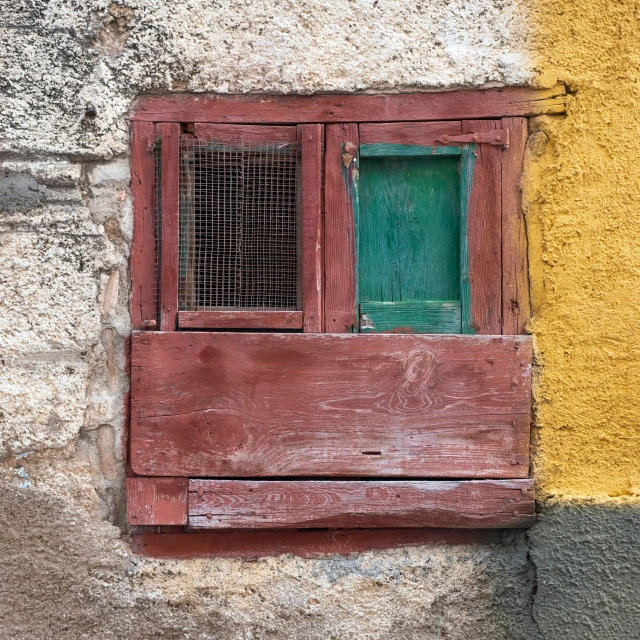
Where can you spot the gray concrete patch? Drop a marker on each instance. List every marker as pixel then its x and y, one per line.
pixel 587 558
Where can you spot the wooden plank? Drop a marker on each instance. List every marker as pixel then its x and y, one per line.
pixel 307 543
pixel 484 234
pixel 408 133
pixel 143 259
pixel 311 136
pixel 260 404
pixel 339 231
pixel 410 317
pixel 170 225
pixel 240 319
pixel 273 504
pixel 386 149
pixel 228 132
pixel 272 109
pixel 515 264
pixel 157 501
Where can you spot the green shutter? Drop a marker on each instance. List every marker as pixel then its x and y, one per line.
pixel 411 204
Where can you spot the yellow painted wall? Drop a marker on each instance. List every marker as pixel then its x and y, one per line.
pixel 582 201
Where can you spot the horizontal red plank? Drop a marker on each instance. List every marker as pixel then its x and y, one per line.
pixel 307 543
pixel 413 133
pixel 228 132
pixel 271 109
pixel 240 319
pixel 157 501
pixel 259 404
pixel 269 504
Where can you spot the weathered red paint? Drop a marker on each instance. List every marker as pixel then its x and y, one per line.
pixel 272 109
pixel 304 543
pixel 271 504
pixel 157 501
pixel 260 404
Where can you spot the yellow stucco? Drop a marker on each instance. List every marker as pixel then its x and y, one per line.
pixel 582 201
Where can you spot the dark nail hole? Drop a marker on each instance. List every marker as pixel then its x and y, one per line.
pixel 372 453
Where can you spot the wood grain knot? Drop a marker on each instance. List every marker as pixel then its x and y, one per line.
pixel 223 434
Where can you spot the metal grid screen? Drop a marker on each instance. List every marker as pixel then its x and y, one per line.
pixel 239 225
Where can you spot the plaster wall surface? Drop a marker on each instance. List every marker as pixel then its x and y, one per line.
pixel 65 230
pixel 582 201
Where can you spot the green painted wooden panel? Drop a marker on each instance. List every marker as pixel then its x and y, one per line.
pixel 408 227
pixel 387 149
pixel 410 317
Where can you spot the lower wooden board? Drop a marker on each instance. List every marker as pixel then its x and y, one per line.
pixel 259 404
pixel 306 543
pixel 157 501
pixel 272 504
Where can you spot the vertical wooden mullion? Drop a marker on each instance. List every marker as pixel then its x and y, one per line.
pixel 170 222
pixel 311 136
pixel 484 226
pixel 339 228
pixel 143 303
pixel 515 265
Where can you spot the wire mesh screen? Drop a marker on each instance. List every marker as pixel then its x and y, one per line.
pixel 239 225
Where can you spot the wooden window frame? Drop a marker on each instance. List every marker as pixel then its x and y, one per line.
pixel 498 295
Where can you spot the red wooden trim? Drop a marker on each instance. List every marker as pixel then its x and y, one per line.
pixel 339 232
pixel 293 404
pixel 515 264
pixel 143 303
pixel 270 109
pixel 240 319
pixel 227 132
pixel 484 228
pixel 157 501
pixel 311 137
pixel 303 543
pixel 170 226
pixel 413 133
pixel 273 504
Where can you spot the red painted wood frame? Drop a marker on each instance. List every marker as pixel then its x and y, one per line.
pixel 309 318
pixel 498 270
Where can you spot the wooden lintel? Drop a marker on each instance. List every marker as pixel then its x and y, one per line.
pixel 272 109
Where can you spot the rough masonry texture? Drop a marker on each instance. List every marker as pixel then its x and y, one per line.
pixel 68 75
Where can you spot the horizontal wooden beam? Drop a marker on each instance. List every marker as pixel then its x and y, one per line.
pixel 413 133
pixel 157 501
pixel 307 543
pixel 240 319
pixel 272 109
pixel 249 504
pixel 292 404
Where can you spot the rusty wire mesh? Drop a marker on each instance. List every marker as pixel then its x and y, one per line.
pixel 239 225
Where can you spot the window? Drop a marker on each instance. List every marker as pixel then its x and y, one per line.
pixel 340 288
